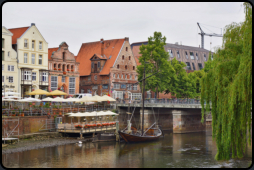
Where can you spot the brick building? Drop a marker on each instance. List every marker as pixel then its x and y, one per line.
pixel 194 57
pixel 63 69
pixel 108 67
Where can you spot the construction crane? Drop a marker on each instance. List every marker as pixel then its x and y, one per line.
pixel 203 33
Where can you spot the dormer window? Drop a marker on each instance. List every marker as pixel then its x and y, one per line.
pixel 99 64
pixel 92 64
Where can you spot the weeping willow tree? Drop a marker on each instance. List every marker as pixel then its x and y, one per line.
pixel 227 84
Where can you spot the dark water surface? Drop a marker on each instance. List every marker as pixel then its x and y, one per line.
pixel 172 151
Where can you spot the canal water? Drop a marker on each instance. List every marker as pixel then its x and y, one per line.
pixel 193 150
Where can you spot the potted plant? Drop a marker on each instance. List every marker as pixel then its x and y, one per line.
pixel 78 126
pixel 72 70
pixel 60 113
pixel 55 69
pixel 13 113
pixel 59 69
pixel 64 73
pixel 68 69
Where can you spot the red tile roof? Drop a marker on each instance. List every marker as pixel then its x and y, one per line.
pixel 50 51
pixel 137 61
pixel 17 32
pixel 87 50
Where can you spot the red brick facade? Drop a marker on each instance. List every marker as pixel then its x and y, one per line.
pixel 122 70
pixel 62 63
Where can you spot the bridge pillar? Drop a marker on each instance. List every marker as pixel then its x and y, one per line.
pixel 186 122
pixel 148 118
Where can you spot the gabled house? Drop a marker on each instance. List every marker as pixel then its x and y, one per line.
pixel 63 70
pixel 108 67
pixel 32 51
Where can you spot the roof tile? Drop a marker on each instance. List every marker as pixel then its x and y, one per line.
pixel 17 32
pixel 87 50
pixel 50 51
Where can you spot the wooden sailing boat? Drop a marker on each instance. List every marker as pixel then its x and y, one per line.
pixel 133 135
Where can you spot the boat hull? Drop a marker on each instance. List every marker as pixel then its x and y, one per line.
pixel 135 138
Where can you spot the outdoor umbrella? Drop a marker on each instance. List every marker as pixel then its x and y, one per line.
pixel 70 99
pixel 56 93
pixel 38 92
pixel 107 98
pixel 11 97
pixel 48 99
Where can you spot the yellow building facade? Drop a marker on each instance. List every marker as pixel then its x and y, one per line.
pixel 9 63
pixel 32 51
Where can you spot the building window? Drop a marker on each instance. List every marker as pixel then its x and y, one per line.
pixel 197 56
pixel 193 66
pixel 25 43
pixel 40 45
pixel 99 64
pixel 200 66
pixel 34 76
pixel 205 57
pixel 123 86
pixel 123 57
pixel 10 68
pixel 126 48
pixel 25 57
pixel 92 64
pixel 122 76
pixel 63 56
pixel 186 54
pixel 136 77
pixel 188 66
pixel 135 87
pixel 8 53
pixel 212 57
pixel 2 42
pixel 95 77
pixel 129 57
pixel 119 94
pixel 2 67
pixel 170 53
pixel 53 83
pixel 192 56
pixel 125 76
pixel 89 78
pixel 133 67
pixel 45 77
pixel 10 79
pixel 40 59
pixel 27 75
pixel 63 79
pixel 2 79
pixel 178 54
pixel 129 87
pixel 114 75
pixel 116 86
pixel 33 43
pixel 118 76
pixel 2 55
pixel 105 86
pixel 148 94
pixel 125 67
pixel 137 96
pixel 118 66
pixel 130 76
pixel 33 58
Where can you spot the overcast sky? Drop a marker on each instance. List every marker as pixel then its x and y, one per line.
pixel 77 23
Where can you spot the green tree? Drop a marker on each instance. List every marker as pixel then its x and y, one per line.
pixel 227 83
pixel 155 59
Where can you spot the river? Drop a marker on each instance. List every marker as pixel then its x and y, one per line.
pixel 193 150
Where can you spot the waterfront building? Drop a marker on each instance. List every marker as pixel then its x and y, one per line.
pixel 108 67
pixel 193 57
pixel 32 52
pixel 9 63
pixel 63 70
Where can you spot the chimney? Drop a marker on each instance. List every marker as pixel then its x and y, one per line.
pixel 176 43
pixel 102 47
pixel 32 24
pixel 126 39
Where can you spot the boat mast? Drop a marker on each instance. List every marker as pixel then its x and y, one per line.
pixel 143 97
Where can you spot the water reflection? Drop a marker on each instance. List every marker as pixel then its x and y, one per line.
pixel 174 150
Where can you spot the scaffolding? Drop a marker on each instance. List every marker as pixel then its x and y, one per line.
pixel 7 132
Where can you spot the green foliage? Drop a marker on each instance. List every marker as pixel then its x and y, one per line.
pixel 227 83
pixel 156 59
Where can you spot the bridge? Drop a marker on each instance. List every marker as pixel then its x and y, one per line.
pixel 177 116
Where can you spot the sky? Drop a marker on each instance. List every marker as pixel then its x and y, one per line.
pixel 77 23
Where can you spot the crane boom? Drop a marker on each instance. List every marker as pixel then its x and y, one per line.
pixel 203 33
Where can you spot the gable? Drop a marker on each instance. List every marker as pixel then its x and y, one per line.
pixel 33 31
pixel 5 31
pixel 111 51
pixel 17 33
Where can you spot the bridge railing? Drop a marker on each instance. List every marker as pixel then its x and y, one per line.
pixel 162 101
